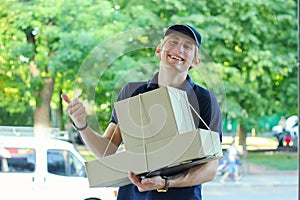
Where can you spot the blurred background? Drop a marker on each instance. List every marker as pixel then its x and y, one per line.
pixel 251 46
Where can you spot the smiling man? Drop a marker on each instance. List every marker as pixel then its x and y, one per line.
pixel 178 52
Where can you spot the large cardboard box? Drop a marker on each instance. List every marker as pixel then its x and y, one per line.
pixel 112 171
pixel 153 116
pixel 159 137
pixel 183 148
pixel 177 154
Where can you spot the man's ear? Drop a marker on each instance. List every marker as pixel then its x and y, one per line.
pixel 158 51
pixel 196 62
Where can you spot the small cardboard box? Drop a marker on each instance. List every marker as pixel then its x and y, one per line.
pixel 175 155
pixel 153 116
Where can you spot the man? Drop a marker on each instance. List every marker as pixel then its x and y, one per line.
pixel 232 160
pixel 178 52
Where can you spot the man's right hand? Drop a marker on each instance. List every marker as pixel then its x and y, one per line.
pixel 76 110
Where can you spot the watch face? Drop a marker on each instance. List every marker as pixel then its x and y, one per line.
pixel 161 190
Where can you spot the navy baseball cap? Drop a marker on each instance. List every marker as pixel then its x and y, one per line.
pixel 187 30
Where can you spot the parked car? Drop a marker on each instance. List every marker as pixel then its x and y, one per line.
pixel 43 168
pixel 292 125
pixel 291 130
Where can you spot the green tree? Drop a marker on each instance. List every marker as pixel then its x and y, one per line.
pixel 44 44
pixel 252 43
pixel 50 40
pixel 257 53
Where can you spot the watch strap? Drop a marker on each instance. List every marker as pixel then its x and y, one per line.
pixel 80 129
pixel 166 186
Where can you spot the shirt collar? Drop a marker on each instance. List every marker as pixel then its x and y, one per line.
pixel 187 85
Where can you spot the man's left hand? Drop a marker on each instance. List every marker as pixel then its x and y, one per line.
pixel 146 184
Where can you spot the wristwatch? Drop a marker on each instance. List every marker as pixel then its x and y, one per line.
pixel 166 187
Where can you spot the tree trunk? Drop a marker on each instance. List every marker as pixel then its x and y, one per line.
pixel 42 110
pixel 242 139
pixel 59 113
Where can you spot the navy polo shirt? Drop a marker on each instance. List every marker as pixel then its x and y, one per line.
pixel 205 104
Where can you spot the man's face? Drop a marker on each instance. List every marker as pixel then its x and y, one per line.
pixel 177 52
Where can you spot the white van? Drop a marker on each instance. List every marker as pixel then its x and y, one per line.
pixel 42 168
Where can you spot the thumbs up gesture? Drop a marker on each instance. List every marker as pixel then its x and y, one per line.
pixel 76 110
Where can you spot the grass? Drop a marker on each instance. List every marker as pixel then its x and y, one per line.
pixel 275 160
pixel 89 157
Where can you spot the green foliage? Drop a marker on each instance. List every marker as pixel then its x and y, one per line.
pixel 251 46
pixel 255 42
pixel 37 83
pixel 15 118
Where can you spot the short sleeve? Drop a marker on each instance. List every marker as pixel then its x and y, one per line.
pixel 216 116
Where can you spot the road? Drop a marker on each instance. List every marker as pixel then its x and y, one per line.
pixel 287 192
pixel 258 185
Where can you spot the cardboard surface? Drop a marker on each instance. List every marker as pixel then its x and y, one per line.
pixel 181 152
pixel 113 170
pixel 153 116
pixel 184 147
pixel 158 132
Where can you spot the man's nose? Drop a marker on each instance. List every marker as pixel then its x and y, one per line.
pixel 179 48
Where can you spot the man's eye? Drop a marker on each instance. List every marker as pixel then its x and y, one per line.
pixel 186 46
pixel 173 42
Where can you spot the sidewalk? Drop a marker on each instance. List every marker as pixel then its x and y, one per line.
pixel 271 179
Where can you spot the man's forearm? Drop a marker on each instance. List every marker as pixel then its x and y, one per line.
pixel 197 175
pixel 97 144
